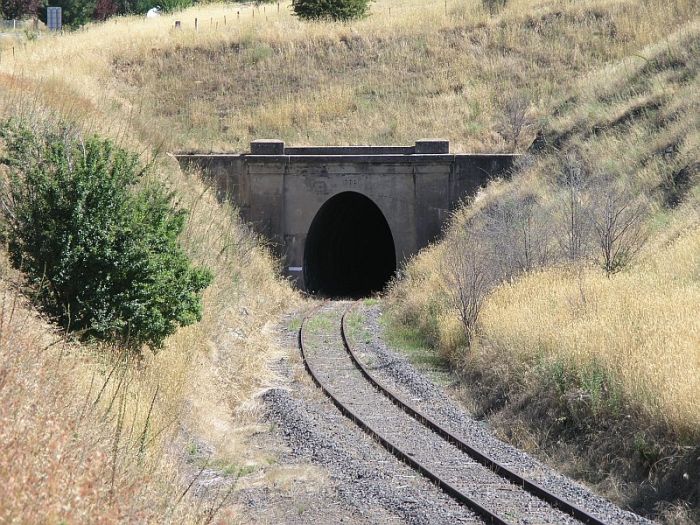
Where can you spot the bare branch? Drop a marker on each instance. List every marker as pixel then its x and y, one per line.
pixel 468 277
pixel 618 220
pixel 515 120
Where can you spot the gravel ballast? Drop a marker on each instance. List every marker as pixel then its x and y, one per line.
pixel 395 372
pixel 368 479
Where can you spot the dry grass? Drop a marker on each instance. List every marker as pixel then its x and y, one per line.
pixel 598 374
pixel 410 70
pixel 71 453
pixel 579 316
pixel 141 417
pixel 120 430
pixel 565 354
pixel 640 328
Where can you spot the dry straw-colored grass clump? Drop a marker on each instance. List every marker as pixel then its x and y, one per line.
pixel 121 434
pixel 70 451
pixel 640 328
pixel 610 84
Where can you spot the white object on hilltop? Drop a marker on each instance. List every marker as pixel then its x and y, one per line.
pixel 153 12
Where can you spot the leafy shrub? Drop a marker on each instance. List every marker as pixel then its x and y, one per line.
pixel 330 9
pixel 170 6
pixel 74 13
pixel 100 249
pixel 11 9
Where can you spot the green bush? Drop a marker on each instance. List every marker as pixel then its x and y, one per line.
pixel 74 13
pixel 330 9
pixel 97 242
pixel 170 6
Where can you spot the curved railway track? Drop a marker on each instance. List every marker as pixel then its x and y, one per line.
pixel 490 489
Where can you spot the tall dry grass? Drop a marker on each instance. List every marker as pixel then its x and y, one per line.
pixel 411 69
pixel 69 453
pixel 122 433
pixel 136 421
pixel 642 341
pixel 119 431
pixel 565 354
pixel 641 329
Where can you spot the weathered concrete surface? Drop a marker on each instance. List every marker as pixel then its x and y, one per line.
pixel 279 189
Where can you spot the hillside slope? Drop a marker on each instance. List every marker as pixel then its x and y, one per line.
pixel 609 87
pixel 598 371
pixel 86 436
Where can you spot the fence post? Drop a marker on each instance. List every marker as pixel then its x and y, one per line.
pixel 195 24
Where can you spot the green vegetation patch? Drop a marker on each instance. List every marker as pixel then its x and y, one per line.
pixel 320 323
pixel 330 9
pixel 96 238
pixel 410 340
pixel 356 327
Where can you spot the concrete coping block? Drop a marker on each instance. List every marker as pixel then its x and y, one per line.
pixel 432 146
pixel 350 150
pixel 267 147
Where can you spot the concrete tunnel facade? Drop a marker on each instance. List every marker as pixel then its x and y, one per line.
pixel 343 219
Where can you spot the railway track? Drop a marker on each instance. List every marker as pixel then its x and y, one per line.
pixel 489 489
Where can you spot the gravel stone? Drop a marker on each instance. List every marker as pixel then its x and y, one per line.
pixel 396 373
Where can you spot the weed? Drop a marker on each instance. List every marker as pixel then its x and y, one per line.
pixel 294 325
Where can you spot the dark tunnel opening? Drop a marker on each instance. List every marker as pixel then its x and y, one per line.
pixel 349 249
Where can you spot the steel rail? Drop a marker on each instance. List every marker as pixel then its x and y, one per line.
pixel 482 458
pixel 452 491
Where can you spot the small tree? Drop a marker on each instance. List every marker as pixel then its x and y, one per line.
pixel 330 9
pixel 573 209
pixel 468 277
pixel 15 9
pixel 515 120
pixel 98 244
pixel 618 220
pixel 517 233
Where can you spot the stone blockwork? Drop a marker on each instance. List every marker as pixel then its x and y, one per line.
pixel 279 189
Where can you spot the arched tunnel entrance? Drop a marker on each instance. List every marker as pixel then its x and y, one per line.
pixel 349 250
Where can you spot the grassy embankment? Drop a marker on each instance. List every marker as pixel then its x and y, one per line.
pixel 85 437
pixel 599 373
pixel 412 69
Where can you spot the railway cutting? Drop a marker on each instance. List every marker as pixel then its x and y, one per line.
pixel 493 490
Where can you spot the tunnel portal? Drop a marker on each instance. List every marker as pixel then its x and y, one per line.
pixel 343 218
pixel 349 250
